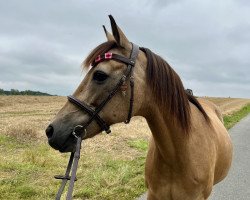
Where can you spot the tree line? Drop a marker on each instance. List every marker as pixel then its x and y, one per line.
pixel 25 92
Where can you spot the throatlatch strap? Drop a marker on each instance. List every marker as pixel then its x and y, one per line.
pixel 133 56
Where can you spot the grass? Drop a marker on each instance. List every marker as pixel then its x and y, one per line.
pixel 232 119
pixel 111 166
pixel 28 168
pixel 140 144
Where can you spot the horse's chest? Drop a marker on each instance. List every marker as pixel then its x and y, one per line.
pixel 163 183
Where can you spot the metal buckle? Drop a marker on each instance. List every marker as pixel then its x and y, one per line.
pixel 124 77
pixel 76 135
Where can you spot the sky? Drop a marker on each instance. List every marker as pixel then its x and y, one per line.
pixel 43 43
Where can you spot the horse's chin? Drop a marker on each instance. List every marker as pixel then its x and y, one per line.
pixel 66 149
pixel 68 146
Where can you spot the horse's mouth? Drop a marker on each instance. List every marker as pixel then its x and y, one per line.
pixel 67 146
pixel 66 149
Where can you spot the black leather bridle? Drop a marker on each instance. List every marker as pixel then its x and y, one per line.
pixel 79 130
pixel 94 113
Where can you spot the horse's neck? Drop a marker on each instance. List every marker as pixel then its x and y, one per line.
pixel 169 140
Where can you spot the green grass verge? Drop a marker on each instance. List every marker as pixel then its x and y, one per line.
pixel 231 120
pixel 139 144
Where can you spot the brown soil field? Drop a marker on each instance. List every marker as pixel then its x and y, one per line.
pixel 29 115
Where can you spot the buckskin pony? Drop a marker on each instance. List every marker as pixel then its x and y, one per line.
pixel 190 149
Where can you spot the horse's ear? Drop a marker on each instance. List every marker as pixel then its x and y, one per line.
pixel 109 36
pixel 119 36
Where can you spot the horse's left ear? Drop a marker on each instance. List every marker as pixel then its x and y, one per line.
pixel 109 36
pixel 119 36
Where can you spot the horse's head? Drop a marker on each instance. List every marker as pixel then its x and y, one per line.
pixel 103 97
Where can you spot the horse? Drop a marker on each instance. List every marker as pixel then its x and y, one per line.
pixel 189 151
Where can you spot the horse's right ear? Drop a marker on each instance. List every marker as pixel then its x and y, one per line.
pixel 120 38
pixel 109 36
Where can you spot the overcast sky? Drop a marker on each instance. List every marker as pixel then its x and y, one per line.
pixel 42 43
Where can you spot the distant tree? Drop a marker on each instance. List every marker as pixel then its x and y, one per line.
pixel 14 92
pixel 25 92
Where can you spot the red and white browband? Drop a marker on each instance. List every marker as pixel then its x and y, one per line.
pixel 106 56
pixel 109 56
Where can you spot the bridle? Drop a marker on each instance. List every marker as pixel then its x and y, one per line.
pixel 79 130
pixel 94 113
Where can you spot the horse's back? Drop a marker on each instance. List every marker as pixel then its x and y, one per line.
pixel 210 106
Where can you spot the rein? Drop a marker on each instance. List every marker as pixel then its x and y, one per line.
pixel 94 115
pixel 74 158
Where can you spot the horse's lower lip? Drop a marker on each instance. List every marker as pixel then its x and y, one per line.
pixel 53 145
pixel 68 146
pixel 62 149
pixel 67 149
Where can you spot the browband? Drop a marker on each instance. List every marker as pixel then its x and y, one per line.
pixel 112 56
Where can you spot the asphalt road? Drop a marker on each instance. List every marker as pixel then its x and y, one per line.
pixel 236 186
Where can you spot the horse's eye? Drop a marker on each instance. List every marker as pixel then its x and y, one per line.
pixel 100 77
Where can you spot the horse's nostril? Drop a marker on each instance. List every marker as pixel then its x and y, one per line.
pixel 49 131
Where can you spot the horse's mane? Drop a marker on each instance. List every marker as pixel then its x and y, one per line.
pixel 166 86
pixel 168 91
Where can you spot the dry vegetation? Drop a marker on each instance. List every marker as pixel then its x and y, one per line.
pixel 104 157
pixel 29 116
pixel 229 105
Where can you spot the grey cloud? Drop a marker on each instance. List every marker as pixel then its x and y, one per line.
pixel 42 43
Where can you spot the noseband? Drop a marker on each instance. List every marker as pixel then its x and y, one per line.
pixel 94 114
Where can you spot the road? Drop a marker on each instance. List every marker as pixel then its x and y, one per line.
pixel 236 186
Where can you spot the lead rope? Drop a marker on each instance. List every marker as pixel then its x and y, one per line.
pixel 74 159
